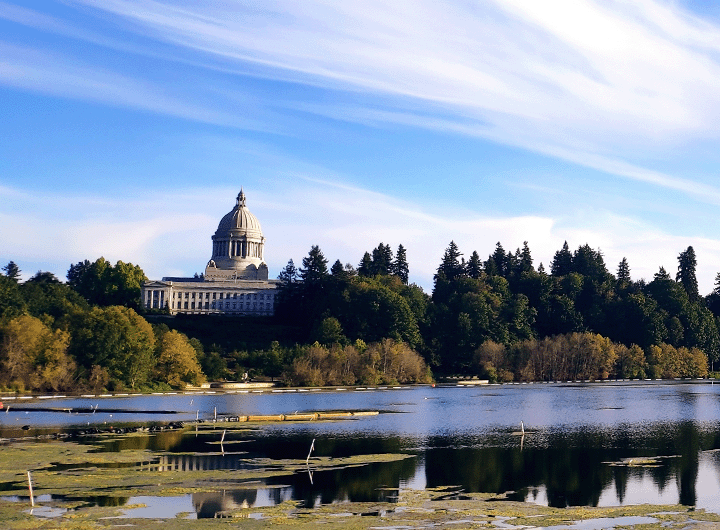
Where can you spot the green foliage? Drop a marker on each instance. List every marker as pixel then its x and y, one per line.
pixel 314 268
pixel 400 267
pixel 501 319
pixel 12 271
pixel 101 283
pixel 687 264
pixel 12 302
pixel 450 268
pixel 177 362
pixel 117 339
pixel 34 356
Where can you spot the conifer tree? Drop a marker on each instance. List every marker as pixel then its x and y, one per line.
pixel 686 273
pixel 474 265
pixel 623 274
pixel 526 261
pixel 562 261
pixel 661 274
pixel 314 266
pixel 289 274
pixel 450 267
pixel 382 260
pixel 12 271
pixel 400 267
pixel 497 262
pixel 365 266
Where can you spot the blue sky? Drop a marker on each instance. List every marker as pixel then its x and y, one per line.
pixel 128 127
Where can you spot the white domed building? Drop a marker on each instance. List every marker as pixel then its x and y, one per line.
pixel 236 277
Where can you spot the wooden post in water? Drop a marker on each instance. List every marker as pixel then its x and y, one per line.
pixel 312 446
pixel 32 498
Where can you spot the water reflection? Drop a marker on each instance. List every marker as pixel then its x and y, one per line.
pixel 586 467
pixel 579 453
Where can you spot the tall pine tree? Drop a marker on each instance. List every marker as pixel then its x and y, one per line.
pixel 400 267
pixel 450 267
pixel 314 267
pixel 687 264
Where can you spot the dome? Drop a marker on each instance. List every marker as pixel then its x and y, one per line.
pixel 238 247
pixel 240 218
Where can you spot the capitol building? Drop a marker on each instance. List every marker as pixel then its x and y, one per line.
pixel 235 281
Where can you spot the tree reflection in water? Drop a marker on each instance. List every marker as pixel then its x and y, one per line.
pixel 572 468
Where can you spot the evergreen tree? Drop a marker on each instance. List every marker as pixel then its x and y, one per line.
pixel 382 260
pixel 365 266
pixel 12 271
pixel 474 266
pixel 661 274
pixel 341 272
pixel 400 266
pixel 686 273
pixel 44 277
pixel 589 263
pixel 450 268
pixel 289 274
pixel 512 263
pixel 713 299
pixel 562 262
pixel 337 268
pixel 623 274
pixel 314 267
pixel 526 261
pixel 497 262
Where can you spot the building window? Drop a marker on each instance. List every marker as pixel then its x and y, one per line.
pixel 234 295
pixel 207 305
pixel 214 296
pixel 186 305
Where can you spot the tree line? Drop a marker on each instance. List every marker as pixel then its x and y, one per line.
pixel 501 318
pixel 92 333
pixel 505 299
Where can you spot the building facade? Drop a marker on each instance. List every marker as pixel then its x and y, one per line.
pixel 235 281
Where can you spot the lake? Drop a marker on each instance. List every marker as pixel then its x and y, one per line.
pixel 585 444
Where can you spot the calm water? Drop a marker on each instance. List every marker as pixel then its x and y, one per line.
pixel 458 436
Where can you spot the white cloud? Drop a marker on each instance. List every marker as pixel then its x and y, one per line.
pixel 166 238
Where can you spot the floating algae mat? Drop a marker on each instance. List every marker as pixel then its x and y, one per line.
pixel 150 479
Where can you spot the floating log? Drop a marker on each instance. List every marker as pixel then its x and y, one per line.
pixel 303 417
pixel 267 417
pixel 333 415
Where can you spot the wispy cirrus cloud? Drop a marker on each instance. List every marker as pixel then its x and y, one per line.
pixel 607 84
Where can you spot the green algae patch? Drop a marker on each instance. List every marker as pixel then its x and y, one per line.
pixel 76 475
pixel 78 470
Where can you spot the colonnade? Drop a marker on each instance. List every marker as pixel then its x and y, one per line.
pixel 238 248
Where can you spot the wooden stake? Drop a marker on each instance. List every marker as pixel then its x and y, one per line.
pixel 32 498
pixel 312 446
